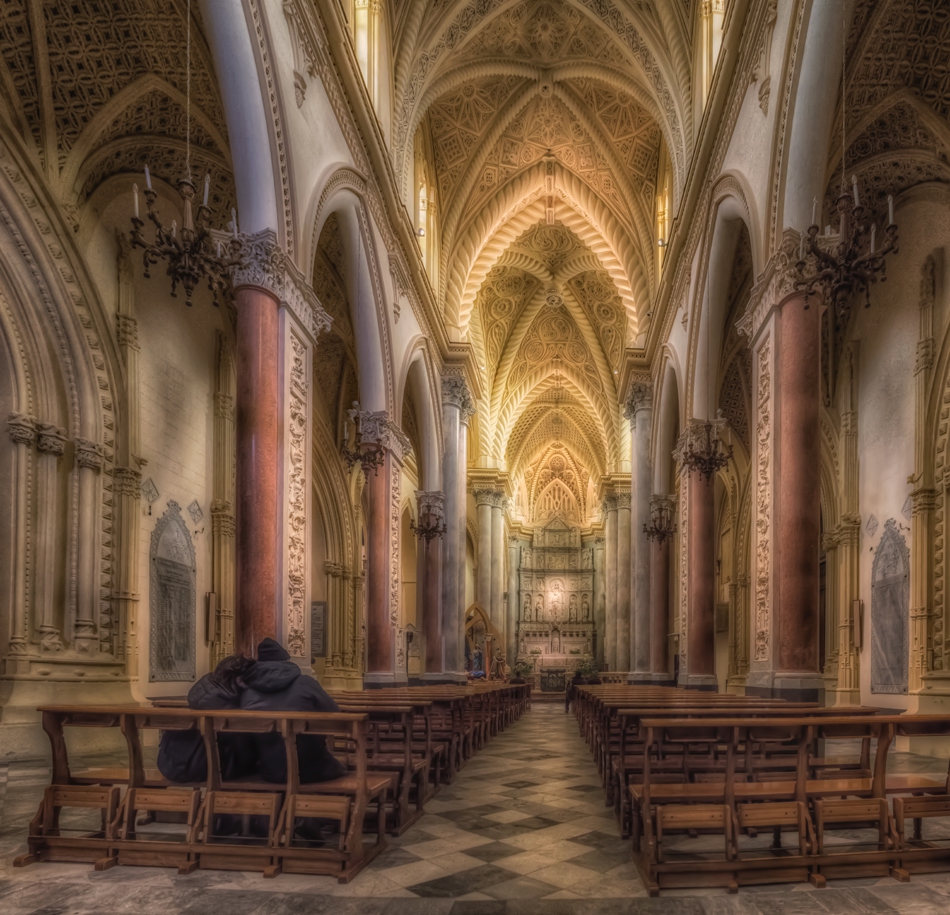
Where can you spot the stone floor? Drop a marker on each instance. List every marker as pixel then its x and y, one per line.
pixel 523 831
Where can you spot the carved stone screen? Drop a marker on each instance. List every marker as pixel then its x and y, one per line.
pixel 890 598
pixel 172 599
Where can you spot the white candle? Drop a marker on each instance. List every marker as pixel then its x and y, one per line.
pixel 854 186
pixel 801 247
pixel 234 230
pixel 174 228
pixel 148 179
pixel 135 199
pixel 207 184
pixel 890 210
pixel 814 211
pixel 873 233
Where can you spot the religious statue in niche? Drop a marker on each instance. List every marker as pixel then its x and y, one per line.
pixel 556 641
pixel 572 609
pixel 890 601
pixel 585 610
pixel 526 612
pixel 539 609
pixel 588 559
pixel 526 557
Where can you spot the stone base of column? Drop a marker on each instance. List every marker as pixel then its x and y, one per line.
pixel 843 697
pixel 792 686
pixel 707 683
pixel 646 678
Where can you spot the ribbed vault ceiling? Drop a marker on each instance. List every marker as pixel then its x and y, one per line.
pixel 546 120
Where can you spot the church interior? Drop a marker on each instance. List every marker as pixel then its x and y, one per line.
pixel 518 353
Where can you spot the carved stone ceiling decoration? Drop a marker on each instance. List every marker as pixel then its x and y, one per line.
pixel 552 245
pixel 558 465
pixel 546 127
pixel 898 98
pixel 598 296
pixel 458 121
pixel 500 302
pixel 94 51
pixel 544 31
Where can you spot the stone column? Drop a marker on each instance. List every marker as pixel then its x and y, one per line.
pixel 639 411
pixel 257 458
pixel 222 505
pixel 660 597
pixel 700 671
pixel 88 465
pixel 600 600
pixel 385 653
pixel 624 581
pixel 22 429
pixel 484 501
pixel 513 602
pixel 499 506
pixel 611 635
pixel 924 494
pixel 431 509
pixel 466 415
pixel 785 335
pixel 50 445
pixel 127 484
pixel 457 407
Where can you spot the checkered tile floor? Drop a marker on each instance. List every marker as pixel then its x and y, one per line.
pixel 522 831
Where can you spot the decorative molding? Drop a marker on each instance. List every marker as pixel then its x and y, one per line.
pixel 763 503
pixel 773 287
pixel 88 454
pixel 22 428
pixel 296 495
pixel 127 482
pixel 51 439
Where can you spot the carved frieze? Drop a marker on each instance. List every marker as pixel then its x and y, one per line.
pixel 763 503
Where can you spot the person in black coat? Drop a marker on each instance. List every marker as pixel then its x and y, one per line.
pixel 276 684
pixel 181 754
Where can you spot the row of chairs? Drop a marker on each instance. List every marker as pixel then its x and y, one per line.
pixel 681 765
pixel 399 746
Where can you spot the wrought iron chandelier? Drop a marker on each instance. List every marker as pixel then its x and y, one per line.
pixel 851 264
pixel 430 525
pixel 190 254
pixel 662 524
pixel 712 457
pixel 368 447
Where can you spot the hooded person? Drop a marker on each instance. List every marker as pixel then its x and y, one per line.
pixel 276 684
pixel 181 754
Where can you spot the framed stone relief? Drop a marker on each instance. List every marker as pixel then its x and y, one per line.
pixel 890 599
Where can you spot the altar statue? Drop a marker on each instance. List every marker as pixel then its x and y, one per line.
pixel 526 612
pixel 572 610
pixel 539 609
pixel 585 610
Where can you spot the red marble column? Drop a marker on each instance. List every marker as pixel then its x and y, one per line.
pixel 257 467
pixel 380 659
pixel 797 533
pixel 432 606
pixel 701 629
pixel 659 608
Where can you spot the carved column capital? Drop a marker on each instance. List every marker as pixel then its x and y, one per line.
pixel 22 428
pixel 88 454
pixel 639 397
pixel 775 285
pixel 923 500
pixel 127 482
pixel 622 498
pixel 486 496
pixel 608 503
pixel 455 392
pixel 127 330
pixel 223 405
pixel 660 502
pixel 51 439
pixel 431 504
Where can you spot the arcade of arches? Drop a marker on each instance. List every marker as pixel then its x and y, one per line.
pixel 525 250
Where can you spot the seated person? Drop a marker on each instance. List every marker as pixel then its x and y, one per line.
pixel 276 684
pixel 181 754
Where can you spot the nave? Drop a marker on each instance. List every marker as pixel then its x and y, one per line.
pixel 523 830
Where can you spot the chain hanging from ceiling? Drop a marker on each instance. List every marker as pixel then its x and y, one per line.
pixel 192 254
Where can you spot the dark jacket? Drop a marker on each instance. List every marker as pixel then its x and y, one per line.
pixel 280 686
pixel 181 754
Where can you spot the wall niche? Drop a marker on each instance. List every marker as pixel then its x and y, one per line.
pixel 890 598
pixel 172 599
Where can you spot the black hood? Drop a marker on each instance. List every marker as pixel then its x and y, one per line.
pixel 207 694
pixel 271 676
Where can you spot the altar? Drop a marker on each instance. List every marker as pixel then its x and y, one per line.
pixel 555 600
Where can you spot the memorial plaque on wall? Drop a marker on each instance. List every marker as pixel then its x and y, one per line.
pixel 172 599
pixel 318 629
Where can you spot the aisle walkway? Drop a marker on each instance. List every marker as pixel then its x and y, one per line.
pixel 523 831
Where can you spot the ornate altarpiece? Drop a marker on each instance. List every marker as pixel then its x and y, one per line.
pixel 555 598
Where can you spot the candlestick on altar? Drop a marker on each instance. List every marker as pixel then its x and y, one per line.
pixel 135 200
pixel 148 179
